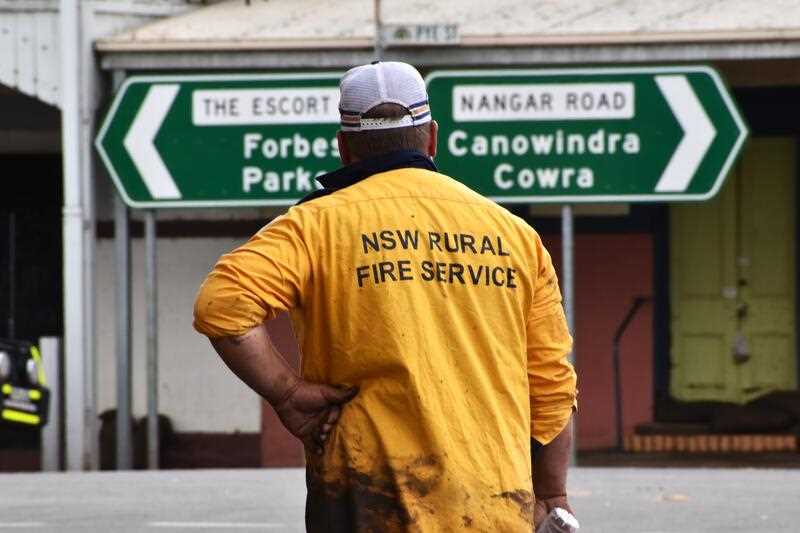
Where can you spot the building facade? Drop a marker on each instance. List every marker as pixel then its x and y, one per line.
pixel 717 279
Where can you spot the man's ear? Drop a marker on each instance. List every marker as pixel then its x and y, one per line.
pixel 344 151
pixel 432 141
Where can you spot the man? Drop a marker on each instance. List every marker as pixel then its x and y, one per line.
pixel 433 338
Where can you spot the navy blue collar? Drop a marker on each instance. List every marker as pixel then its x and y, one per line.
pixel 352 174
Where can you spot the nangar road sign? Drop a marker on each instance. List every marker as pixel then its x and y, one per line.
pixel 649 134
pixel 221 140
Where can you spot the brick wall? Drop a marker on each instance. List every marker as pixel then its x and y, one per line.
pixel 611 270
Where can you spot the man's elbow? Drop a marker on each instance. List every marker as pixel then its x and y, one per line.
pixel 551 412
pixel 204 314
pixel 223 310
pixel 548 424
pixel 214 311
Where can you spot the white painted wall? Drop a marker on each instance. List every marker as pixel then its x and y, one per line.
pixel 196 390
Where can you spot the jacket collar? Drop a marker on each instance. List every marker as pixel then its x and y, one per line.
pixel 352 174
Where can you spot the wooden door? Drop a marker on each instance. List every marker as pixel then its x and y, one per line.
pixel 766 263
pixel 733 282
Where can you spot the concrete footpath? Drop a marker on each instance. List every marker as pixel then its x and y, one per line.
pixel 636 500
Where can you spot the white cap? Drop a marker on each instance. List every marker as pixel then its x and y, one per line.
pixel 390 82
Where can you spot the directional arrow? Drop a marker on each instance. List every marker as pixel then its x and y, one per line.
pixel 698 133
pixel 139 141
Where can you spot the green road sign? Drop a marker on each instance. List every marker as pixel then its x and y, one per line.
pixel 222 140
pixel 649 134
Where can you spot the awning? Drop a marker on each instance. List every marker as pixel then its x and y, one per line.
pixel 324 33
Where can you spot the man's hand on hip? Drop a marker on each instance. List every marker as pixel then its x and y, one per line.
pixel 310 410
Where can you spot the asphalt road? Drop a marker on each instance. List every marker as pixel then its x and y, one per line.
pixel 636 500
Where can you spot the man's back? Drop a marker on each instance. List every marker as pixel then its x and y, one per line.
pixel 418 291
pixel 433 339
pixel 426 287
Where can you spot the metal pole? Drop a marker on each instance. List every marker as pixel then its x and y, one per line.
pixel 12 274
pixel 151 290
pixel 568 266
pixel 79 435
pixel 122 252
pixel 568 285
pixel 89 97
pixel 122 247
pixel 378 32
pixel 50 348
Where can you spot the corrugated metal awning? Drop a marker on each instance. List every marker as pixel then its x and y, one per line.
pixel 29 37
pixel 349 24
pixel 29 49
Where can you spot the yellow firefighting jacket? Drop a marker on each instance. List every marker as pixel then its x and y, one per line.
pixel 445 310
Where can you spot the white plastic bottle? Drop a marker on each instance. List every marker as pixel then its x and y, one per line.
pixel 559 521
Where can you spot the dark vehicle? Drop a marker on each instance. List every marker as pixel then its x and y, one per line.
pixel 24 396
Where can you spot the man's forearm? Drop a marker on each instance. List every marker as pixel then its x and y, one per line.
pixel 550 466
pixel 254 359
pixel 308 410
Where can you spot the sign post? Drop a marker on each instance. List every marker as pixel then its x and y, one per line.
pixel 151 295
pixel 568 289
pixel 378 37
pixel 640 134
pixel 644 134
pixel 122 261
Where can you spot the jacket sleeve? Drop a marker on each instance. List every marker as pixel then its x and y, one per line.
pixel 551 378
pixel 255 282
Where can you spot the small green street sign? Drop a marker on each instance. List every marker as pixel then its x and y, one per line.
pixel 649 134
pixel 221 140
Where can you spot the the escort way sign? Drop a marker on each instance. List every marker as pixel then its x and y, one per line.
pixel 222 140
pixel 650 134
